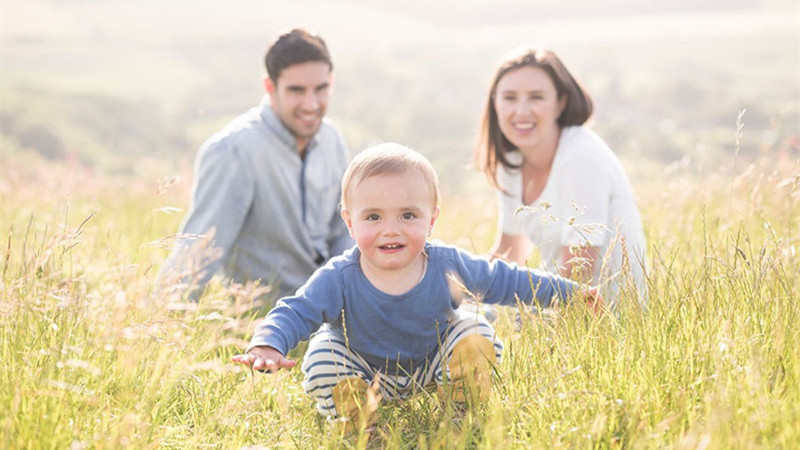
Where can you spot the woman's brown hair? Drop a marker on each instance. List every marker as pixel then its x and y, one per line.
pixel 492 146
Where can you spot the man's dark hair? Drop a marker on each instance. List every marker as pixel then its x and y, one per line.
pixel 295 47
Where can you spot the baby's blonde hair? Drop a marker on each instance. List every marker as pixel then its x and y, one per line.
pixel 388 159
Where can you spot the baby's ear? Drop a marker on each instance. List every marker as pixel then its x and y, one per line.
pixel 434 217
pixel 347 220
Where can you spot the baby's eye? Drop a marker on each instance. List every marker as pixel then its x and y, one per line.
pixel 372 217
pixel 409 216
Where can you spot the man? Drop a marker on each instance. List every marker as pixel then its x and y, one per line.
pixel 266 188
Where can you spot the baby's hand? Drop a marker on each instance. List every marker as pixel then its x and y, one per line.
pixel 264 359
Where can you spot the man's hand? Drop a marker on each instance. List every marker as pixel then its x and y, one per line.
pixel 264 359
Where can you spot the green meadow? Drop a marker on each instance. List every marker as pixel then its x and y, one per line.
pixel 93 357
pixel 103 105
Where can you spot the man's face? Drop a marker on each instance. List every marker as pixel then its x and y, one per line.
pixel 300 98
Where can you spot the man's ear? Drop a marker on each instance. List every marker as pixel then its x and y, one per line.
pixel 434 217
pixel 269 85
pixel 348 221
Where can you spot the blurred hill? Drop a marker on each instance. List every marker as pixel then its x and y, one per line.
pixel 108 83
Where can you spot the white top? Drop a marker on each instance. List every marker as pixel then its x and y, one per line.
pixel 587 199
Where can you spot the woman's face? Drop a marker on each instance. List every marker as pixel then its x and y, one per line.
pixel 528 107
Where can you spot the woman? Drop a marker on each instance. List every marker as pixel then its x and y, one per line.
pixel 561 188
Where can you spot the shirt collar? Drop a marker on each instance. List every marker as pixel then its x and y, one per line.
pixel 280 130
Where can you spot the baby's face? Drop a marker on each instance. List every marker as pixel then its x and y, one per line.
pixel 390 217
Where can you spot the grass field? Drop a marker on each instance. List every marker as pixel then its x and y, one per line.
pixel 92 358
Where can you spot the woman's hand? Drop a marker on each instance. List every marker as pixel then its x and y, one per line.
pixel 593 299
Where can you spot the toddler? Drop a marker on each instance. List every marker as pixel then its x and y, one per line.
pixel 385 315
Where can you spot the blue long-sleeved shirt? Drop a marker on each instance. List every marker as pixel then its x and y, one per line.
pixel 400 332
pixel 274 215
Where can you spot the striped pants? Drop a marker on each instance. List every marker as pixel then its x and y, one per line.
pixel 328 360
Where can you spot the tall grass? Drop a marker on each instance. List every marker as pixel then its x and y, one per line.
pixel 90 357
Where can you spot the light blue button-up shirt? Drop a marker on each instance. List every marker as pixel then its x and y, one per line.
pixel 274 216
